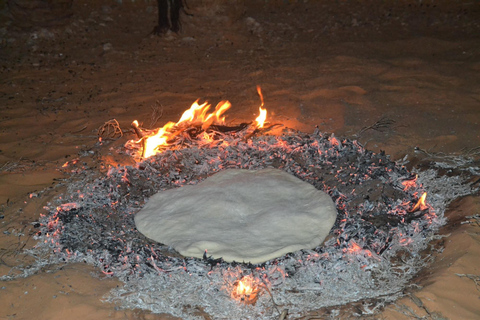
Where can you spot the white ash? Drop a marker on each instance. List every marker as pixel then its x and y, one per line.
pixel 360 261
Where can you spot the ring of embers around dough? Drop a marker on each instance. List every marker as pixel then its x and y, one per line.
pixel 377 219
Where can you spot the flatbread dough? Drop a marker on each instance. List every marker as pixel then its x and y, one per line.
pixel 239 215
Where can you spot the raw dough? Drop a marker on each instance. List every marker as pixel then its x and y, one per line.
pixel 239 215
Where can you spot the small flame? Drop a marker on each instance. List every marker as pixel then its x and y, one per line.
pixel 263 112
pixel 421 203
pixel 245 290
pixel 195 111
pixel 261 118
pixel 158 139
pixel 197 114
pixel 217 116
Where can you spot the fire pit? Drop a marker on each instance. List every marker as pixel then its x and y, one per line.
pixel 384 220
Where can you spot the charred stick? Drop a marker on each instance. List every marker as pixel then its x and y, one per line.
pixel 270 127
pixel 138 131
pixel 250 131
pixel 224 129
pixel 140 135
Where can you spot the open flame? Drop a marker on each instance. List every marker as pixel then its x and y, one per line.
pixel 197 115
pixel 261 118
pixel 421 203
pixel 245 290
pixel 263 112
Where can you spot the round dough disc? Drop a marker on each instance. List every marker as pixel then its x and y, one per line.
pixel 239 215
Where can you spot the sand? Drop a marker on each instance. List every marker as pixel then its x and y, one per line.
pixel 338 65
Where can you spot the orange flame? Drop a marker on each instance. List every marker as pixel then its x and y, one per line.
pixel 196 111
pixel 263 112
pixel 421 203
pixel 261 118
pixel 245 290
pixel 197 115
pixel 160 138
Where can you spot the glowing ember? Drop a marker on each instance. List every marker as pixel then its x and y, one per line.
pixel 408 184
pixel 421 203
pixel 245 290
pixel 353 248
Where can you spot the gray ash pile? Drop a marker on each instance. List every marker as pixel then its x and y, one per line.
pixel 372 251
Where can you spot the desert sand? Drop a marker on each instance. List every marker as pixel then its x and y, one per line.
pixel 398 76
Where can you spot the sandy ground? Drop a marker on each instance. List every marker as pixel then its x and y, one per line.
pixel 340 65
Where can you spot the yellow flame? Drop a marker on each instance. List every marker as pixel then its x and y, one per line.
pixel 263 112
pixel 421 203
pixel 216 116
pixel 259 90
pixel 261 118
pixel 196 115
pixel 152 143
pixel 194 111
pixel 245 290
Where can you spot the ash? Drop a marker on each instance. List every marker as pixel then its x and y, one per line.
pixel 372 252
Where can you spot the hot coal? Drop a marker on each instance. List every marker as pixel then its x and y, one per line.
pixel 375 223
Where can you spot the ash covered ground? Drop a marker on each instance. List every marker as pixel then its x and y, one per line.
pixel 374 248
